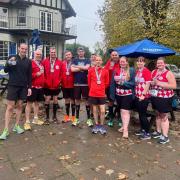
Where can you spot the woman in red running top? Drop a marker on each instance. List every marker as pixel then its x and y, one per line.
pixel 142 84
pixel 162 85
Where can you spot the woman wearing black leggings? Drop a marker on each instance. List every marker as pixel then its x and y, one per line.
pixel 142 83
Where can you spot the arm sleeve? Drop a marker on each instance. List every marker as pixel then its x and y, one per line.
pixel 89 78
pixel 112 88
pixel 29 74
pixel 6 67
pixel 33 73
pixel 131 83
pixel 147 75
pixel 107 79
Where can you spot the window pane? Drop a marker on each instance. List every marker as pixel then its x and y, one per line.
pixel 21 16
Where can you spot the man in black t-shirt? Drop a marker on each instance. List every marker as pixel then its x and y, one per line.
pixel 80 68
pixel 19 87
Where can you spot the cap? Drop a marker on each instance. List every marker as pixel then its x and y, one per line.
pixel 80 49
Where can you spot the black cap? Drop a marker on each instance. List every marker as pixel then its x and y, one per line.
pixel 80 49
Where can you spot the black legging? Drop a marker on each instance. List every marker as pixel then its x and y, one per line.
pixel 142 110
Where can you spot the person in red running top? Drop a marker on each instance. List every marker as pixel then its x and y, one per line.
pixel 162 85
pixel 53 74
pixel 142 96
pixel 121 90
pixel 68 86
pixel 98 80
pixel 37 90
pixel 112 66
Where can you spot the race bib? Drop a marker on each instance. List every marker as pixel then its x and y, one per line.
pixel 154 92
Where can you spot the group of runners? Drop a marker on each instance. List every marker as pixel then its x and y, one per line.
pixel 127 87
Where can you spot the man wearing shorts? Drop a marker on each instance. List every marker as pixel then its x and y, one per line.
pixel 80 68
pixel 37 90
pixel 68 87
pixel 98 80
pixel 52 74
pixel 19 87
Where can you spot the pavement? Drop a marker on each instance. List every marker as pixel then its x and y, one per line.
pixel 63 152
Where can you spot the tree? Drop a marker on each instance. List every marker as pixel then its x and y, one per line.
pixel 73 48
pixel 131 20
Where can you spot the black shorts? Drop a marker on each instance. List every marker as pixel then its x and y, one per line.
pixel 125 102
pixel 15 93
pixel 51 92
pixel 162 105
pixel 97 100
pixel 37 95
pixel 68 93
pixel 81 91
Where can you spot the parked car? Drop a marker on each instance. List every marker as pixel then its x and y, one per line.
pixel 174 69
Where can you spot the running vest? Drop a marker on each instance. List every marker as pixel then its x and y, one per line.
pixel 120 90
pixel 158 91
pixel 141 81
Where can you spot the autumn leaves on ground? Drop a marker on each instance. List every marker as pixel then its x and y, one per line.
pixel 63 152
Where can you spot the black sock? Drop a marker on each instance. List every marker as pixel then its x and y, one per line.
pixel 88 111
pixel 73 108
pixel 47 110
pixel 55 107
pixel 67 108
pixel 111 111
pixel 77 111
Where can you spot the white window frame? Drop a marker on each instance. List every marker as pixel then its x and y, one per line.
pixel 46 26
pixel 4 19
pixel 19 16
pixel 4 50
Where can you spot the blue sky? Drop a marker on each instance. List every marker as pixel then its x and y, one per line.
pixel 86 21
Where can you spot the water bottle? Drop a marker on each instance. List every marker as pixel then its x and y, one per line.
pixel 12 61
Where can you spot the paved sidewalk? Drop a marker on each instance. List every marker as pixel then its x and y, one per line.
pixel 62 152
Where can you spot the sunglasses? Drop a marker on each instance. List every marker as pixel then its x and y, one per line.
pixel 140 60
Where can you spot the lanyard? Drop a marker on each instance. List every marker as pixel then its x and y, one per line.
pixel 39 65
pixel 139 75
pixel 52 65
pixel 68 65
pixel 98 76
pixel 158 74
pixel 122 74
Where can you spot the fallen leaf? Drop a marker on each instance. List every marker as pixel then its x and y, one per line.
pixel 52 133
pixel 139 173
pixel 73 152
pixel 109 172
pixel 65 157
pixel 100 168
pixel 178 162
pixel 122 176
pixel 26 139
pixel 33 165
pixel 156 162
pixel 24 169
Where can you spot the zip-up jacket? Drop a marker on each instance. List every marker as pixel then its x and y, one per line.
pixel 37 81
pixel 52 79
pixel 19 74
